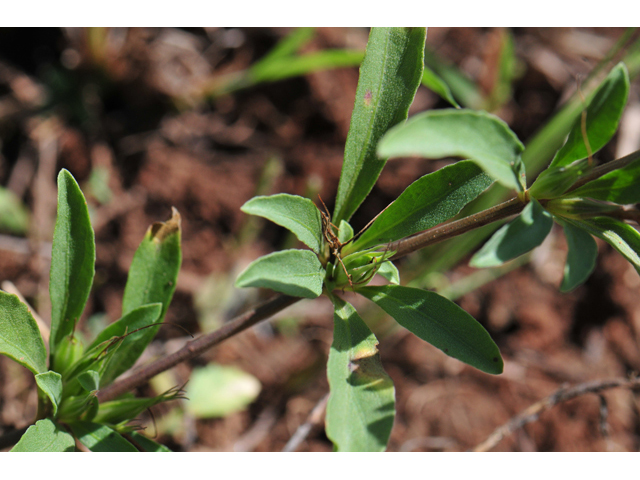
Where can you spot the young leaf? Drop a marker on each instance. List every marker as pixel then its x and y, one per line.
pixel 619 186
pixel 603 115
pixel 554 181
pixel 134 343
pixel 361 406
pixel 20 337
pixel 428 201
pixel 389 272
pixel 293 272
pixel 100 438
pixel 434 83
pixel 90 380
pixel 50 383
pixel 154 270
pixel 73 258
pixel 389 77
pixel 440 322
pixel 619 235
pixel 129 407
pixel 516 238
pixel 297 214
pixel 145 444
pixel 345 232
pixel 217 391
pixel 478 136
pixel 45 436
pixel 581 257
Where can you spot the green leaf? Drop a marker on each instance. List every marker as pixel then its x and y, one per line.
pixel 479 136
pixel 624 238
pixel 440 322
pixel 154 270
pixel 50 383
pixel 389 272
pixel 45 436
pixel 90 380
pixel 75 407
pixel 619 186
pixel 73 258
pixel 20 337
pixel 361 406
pixel 217 391
pixel 292 272
pixel 100 438
pixel 428 201
pixel 434 83
pixel 127 408
pixel 603 115
pixel 145 444
pixel 554 181
pixel 389 77
pixel 297 214
pixel 134 343
pixel 286 47
pixel 581 257
pixel 516 238
pixel 14 216
pixel 345 232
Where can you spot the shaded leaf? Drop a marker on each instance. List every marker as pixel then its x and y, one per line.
pixel 478 136
pixel 73 258
pixel 603 115
pixel 389 77
pixel 581 257
pixel 361 407
pixel 50 383
pixel 429 201
pixel 45 436
pixel 100 438
pixel 89 380
pixel 292 272
pixel 620 186
pixel 14 216
pixel 516 238
pixel 440 322
pixel 434 83
pixel 20 337
pixel 297 214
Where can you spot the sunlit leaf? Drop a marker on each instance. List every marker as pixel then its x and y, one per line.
pixel 100 438
pixel 50 383
pixel 45 436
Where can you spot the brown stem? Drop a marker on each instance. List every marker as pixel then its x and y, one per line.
pixel 197 346
pixel 605 168
pixel 448 230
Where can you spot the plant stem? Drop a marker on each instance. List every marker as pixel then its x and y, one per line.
pixel 605 168
pixel 196 347
pixel 448 230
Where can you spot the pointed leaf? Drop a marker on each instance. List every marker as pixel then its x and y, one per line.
pixel 581 257
pixel 129 407
pixel 440 322
pixel 620 186
pixel 389 272
pixel 50 383
pixel 145 444
pixel 427 202
pixel 603 115
pixel 389 77
pixel 20 337
pixel 516 238
pixel 361 407
pixel 134 343
pixel 478 136
pixel 297 214
pixel 100 438
pixel 292 272
pixel 154 270
pixel 73 258
pixel 434 83
pixel 90 380
pixel 45 436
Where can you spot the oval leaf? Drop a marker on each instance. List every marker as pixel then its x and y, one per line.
pixel 478 136
pixel 20 337
pixel 361 407
pixel 581 257
pixel 516 238
pixel 100 438
pixel 440 322
pixel 50 383
pixel 603 115
pixel 73 258
pixel 389 78
pixel 45 436
pixel 297 214
pixel 427 202
pixel 292 272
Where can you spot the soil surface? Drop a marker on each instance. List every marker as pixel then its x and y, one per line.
pixel 123 110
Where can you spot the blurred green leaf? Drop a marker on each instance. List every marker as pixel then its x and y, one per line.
pixel 73 258
pixel 429 201
pixel 297 214
pixel 45 436
pixel 50 383
pixel 292 272
pixel 14 216
pixel 100 438
pixel 478 136
pixel 389 77
pixel 603 115
pixel 20 337
pixel 361 406
pixel 146 444
pixel 581 257
pixel 434 83
pixel 516 238
pixel 217 391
